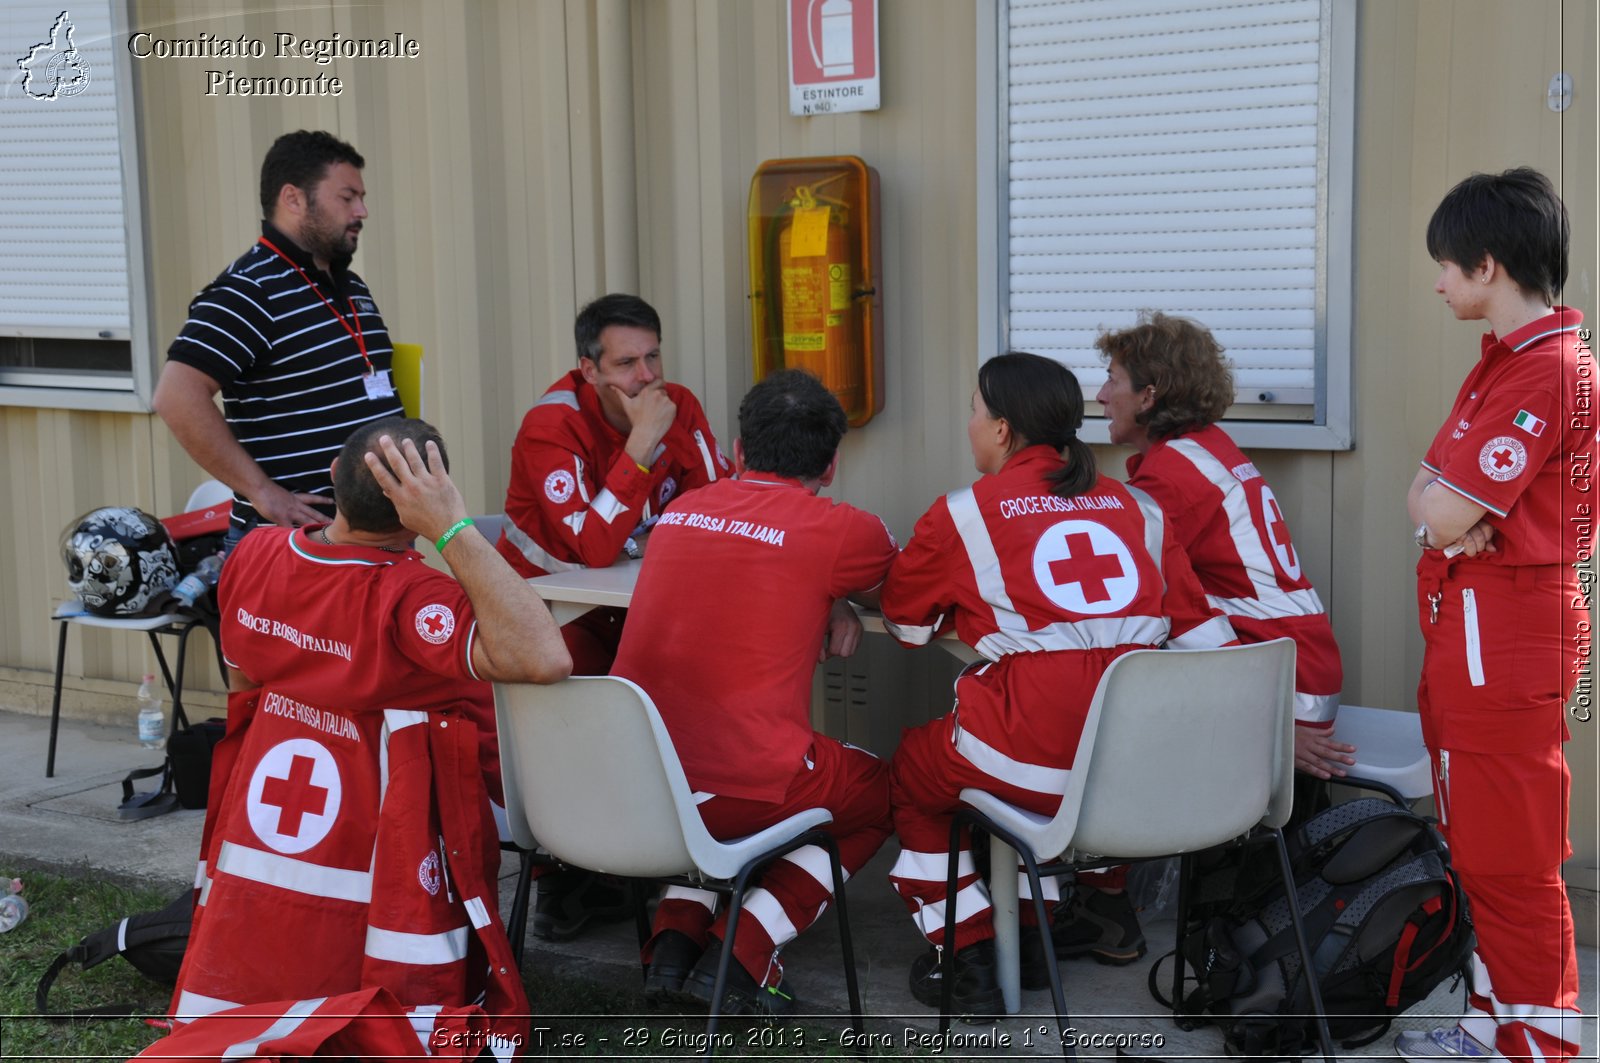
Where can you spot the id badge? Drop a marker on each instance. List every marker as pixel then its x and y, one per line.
pixel 378 385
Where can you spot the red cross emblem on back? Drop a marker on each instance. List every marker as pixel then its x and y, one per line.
pixel 1086 568
pixel 1278 528
pixel 296 796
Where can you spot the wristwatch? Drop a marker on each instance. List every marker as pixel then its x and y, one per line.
pixel 631 548
pixel 1421 536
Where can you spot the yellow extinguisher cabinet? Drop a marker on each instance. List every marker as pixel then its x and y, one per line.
pixel 814 276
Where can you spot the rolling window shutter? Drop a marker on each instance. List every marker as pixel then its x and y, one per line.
pixel 63 241
pixel 1167 155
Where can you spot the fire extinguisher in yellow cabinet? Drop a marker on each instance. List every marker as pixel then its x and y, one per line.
pixel 816 291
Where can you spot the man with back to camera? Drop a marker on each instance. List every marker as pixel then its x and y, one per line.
pixel 731 675
pixel 596 460
pixel 349 802
pixel 293 340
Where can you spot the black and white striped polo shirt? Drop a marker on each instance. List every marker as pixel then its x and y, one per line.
pixel 291 372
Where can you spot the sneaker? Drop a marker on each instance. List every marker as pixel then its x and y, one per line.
pixel 1035 975
pixel 976 994
pixel 1100 925
pixel 742 995
pixel 569 898
pixel 673 957
pixel 1444 1042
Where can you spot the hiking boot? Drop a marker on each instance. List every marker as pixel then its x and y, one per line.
pixel 742 995
pixel 1035 975
pixel 1100 925
pixel 975 997
pixel 1443 1042
pixel 673 957
pixel 569 898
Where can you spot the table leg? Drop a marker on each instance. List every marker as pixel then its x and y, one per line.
pixel 55 705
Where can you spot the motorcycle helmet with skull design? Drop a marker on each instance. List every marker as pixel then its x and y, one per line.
pixel 120 561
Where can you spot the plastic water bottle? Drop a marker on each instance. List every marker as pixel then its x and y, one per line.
pixel 196 583
pixel 152 725
pixel 13 909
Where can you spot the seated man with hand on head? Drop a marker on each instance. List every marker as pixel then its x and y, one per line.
pixel 740 596
pixel 347 808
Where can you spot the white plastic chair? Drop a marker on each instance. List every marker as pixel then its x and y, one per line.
pixel 1390 756
pixel 591 776
pixel 1182 750
pixel 209 494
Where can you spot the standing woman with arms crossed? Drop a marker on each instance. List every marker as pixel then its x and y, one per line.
pixel 1493 510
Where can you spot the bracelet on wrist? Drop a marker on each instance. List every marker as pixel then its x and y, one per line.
pixel 450 533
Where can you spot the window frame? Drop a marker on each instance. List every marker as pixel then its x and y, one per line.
pixel 1332 427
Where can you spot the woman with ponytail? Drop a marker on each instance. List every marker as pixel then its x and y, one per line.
pixel 1050 572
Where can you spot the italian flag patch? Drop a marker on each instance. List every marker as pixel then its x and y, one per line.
pixel 1528 423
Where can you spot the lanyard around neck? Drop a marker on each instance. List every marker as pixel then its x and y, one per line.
pixel 354 331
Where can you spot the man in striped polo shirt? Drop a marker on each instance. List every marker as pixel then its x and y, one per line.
pixel 293 340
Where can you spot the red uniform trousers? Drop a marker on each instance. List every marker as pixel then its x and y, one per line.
pixel 794 892
pixel 592 640
pixel 1498 669
pixel 925 779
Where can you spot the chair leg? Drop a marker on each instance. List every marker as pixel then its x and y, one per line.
pixel 720 985
pixel 1037 888
pixel 846 945
pixel 179 717
pixel 55 704
pixel 517 926
pixel 1307 967
pixel 640 889
pixel 1185 869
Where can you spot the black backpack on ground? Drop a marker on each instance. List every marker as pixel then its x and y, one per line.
pixel 1385 920
pixel 154 942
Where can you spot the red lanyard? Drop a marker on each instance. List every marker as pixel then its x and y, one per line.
pixel 355 332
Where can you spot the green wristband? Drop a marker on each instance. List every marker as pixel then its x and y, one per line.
pixel 451 534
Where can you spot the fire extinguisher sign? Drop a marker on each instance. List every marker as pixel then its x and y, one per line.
pixel 833 56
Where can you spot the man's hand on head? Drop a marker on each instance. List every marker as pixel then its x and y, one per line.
pixel 424 496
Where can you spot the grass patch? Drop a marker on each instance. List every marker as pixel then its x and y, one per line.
pixel 574 1018
pixel 61 911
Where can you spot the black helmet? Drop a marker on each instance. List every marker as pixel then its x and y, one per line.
pixel 120 561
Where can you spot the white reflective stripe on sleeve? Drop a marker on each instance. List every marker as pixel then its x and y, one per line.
pixel 193 1006
pixel 1205 636
pixel 970 901
pixel 1315 708
pixel 400 719
pixel 705 898
pixel 992 762
pixel 764 908
pixel 813 860
pixel 477 911
pixel 534 553
pixel 291 1021
pixel 916 634
pixel 930 867
pixel 423 950
pixel 559 398
pixel 1469 621
pixel 423 1017
pixel 705 454
pixel 1093 633
pixel 299 876
pixel 1271 604
pixel 472 634
pixel 968 519
pixel 575 521
pixel 606 506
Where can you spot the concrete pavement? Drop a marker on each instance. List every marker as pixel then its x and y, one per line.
pixel 70 823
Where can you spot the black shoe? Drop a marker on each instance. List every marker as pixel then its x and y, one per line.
pixel 1102 926
pixel 1035 975
pixel 741 995
pixel 671 961
pixel 975 997
pixel 568 899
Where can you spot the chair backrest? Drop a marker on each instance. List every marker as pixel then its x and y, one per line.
pixel 489 525
pixel 210 493
pixel 1182 750
pixel 591 776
